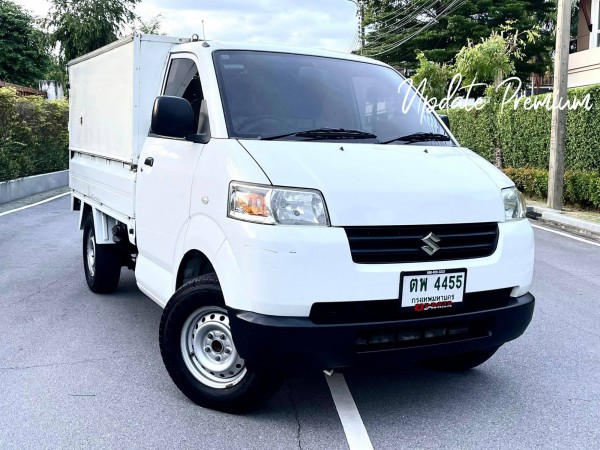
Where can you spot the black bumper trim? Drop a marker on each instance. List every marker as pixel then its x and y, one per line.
pixel 293 343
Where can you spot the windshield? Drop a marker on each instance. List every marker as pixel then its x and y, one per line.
pixel 274 94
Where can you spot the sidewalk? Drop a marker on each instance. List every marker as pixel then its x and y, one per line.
pixel 564 221
pixel 25 201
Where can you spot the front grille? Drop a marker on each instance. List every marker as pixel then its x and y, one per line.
pixel 403 244
pixel 374 311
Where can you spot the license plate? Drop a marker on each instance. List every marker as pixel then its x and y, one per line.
pixel 432 289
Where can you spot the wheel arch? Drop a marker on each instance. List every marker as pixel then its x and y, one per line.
pixel 193 265
pixel 206 240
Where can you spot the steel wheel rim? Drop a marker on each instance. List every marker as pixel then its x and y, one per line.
pixel 91 254
pixel 208 350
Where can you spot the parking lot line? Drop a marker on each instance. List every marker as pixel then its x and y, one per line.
pixel 354 428
pixel 34 204
pixel 566 235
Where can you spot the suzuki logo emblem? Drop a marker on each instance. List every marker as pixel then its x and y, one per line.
pixel 431 240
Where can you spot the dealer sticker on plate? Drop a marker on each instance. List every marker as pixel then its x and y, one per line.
pixel 432 289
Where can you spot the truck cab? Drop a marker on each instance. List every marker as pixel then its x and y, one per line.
pixel 290 209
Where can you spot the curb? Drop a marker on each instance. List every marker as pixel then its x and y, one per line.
pixel 557 219
pixel 24 187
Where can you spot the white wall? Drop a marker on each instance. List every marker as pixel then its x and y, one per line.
pixel 54 89
pixel 595 19
pixel 584 68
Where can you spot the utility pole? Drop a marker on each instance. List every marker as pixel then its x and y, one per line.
pixel 360 13
pixel 559 116
pixel 361 25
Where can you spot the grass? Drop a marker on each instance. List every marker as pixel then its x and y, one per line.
pixel 569 210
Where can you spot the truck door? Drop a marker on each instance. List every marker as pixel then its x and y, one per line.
pixel 164 183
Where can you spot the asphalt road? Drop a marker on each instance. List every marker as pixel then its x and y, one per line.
pixel 84 370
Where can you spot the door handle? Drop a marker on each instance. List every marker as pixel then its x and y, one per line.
pixel 149 161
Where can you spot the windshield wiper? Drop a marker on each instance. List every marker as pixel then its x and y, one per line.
pixel 419 137
pixel 323 133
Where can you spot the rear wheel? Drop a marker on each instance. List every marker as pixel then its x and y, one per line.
pixel 460 362
pixel 102 263
pixel 199 353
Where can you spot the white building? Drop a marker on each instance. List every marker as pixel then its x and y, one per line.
pixel 584 64
pixel 54 89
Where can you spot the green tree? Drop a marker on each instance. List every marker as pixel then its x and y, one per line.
pixel 494 57
pixel 151 26
pixel 398 29
pixel 81 26
pixel 437 75
pixel 24 55
pixel 486 63
pixel 57 71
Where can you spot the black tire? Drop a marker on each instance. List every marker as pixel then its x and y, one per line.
pixel 103 271
pixel 459 363
pixel 183 321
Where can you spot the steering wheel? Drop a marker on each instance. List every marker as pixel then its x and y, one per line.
pixel 250 124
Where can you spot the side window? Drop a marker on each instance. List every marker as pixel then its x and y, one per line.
pixel 184 81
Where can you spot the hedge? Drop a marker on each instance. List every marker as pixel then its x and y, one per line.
pixel 523 136
pixel 34 137
pixel 522 139
pixel 580 187
pixel 475 129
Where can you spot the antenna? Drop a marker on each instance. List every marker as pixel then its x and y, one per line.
pixel 203 34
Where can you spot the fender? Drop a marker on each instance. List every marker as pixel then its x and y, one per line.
pixel 202 234
pixel 205 235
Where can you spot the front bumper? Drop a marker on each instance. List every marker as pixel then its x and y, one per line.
pixel 284 270
pixel 293 343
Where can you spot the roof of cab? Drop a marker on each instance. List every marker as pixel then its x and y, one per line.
pixel 210 46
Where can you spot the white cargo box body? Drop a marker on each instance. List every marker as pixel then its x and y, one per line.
pixel 111 94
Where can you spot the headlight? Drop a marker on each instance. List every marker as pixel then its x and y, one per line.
pixel 276 205
pixel 514 204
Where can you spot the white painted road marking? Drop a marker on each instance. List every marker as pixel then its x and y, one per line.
pixel 34 204
pixel 566 235
pixel 354 428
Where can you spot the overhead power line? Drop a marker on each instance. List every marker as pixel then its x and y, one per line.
pixel 414 9
pixel 398 27
pixel 389 20
pixel 453 6
pixel 405 20
pixel 396 12
pixel 351 42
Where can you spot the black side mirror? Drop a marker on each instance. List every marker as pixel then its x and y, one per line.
pixel 445 119
pixel 172 117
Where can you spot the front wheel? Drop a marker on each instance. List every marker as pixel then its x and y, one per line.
pixel 460 362
pixel 199 353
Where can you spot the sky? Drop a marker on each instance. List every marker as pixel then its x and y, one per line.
pixel 328 24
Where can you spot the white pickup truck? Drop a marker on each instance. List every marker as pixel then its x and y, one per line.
pixel 290 209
